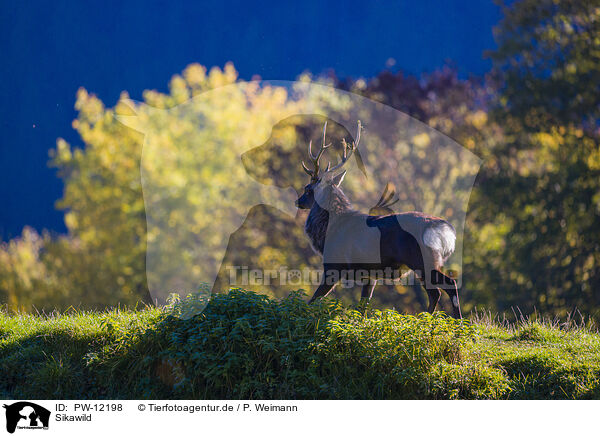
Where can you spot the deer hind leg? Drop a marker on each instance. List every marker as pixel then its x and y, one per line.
pixel 451 289
pixel 433 293
pixel 434 296
pixel 433 278
pixel 448 284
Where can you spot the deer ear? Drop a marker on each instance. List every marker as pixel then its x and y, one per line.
pixel 337 180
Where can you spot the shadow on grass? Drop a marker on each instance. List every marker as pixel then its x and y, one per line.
pixel 249 346
pixel 48 366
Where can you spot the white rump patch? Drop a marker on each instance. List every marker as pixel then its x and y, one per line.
pixel 440 238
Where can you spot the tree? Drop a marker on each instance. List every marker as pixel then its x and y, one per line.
pixel 538 206
pixel 185 173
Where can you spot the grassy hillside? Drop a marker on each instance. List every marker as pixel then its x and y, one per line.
pixel 246 345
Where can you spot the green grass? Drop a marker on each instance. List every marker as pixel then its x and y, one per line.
pixel 250 346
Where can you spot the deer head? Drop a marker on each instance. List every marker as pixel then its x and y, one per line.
pixel 328 177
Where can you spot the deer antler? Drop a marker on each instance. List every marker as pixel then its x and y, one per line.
pixel 347 148
pixel 314 175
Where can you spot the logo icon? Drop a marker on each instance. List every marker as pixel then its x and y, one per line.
pixel 26 415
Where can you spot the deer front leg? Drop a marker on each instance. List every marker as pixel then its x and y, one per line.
pixel 322 291
pixel 324 288
pixel 365 295
pixel 367 290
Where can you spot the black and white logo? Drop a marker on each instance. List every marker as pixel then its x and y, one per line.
pixel 26 415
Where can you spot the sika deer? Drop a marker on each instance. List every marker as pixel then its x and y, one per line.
pixel 372 247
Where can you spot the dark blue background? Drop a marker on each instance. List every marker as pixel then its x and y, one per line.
pixel 51 48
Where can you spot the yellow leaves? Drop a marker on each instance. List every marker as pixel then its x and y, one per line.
pixel 548 140
pixel 104 156
pixel 179 90
pixel 280 96
pixel 20 267
pixel 593 160
pixel 195 75
pixel 588 266
pixel 124 106
pixel 155 99
pixel 230 73
pixel 478 119
pixel 89 106
pixel 193 81
pixel 596 201
pixel 271 256
pixel 571 68
pixel 305 78
pixel 177 180
pixel 71 221
pixel 63 151
pixel 492 235
pixel 81 97
pixel 218 78
pixel 456 172
pixel 421 140
pixel 360 84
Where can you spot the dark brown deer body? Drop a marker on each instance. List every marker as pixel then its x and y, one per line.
pixel 369 248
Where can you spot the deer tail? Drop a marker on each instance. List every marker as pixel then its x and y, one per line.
pixel 440 237
pixel 383 206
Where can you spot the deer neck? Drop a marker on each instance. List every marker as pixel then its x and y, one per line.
pixel 334 204
pixel 316 227
pixel 333 199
